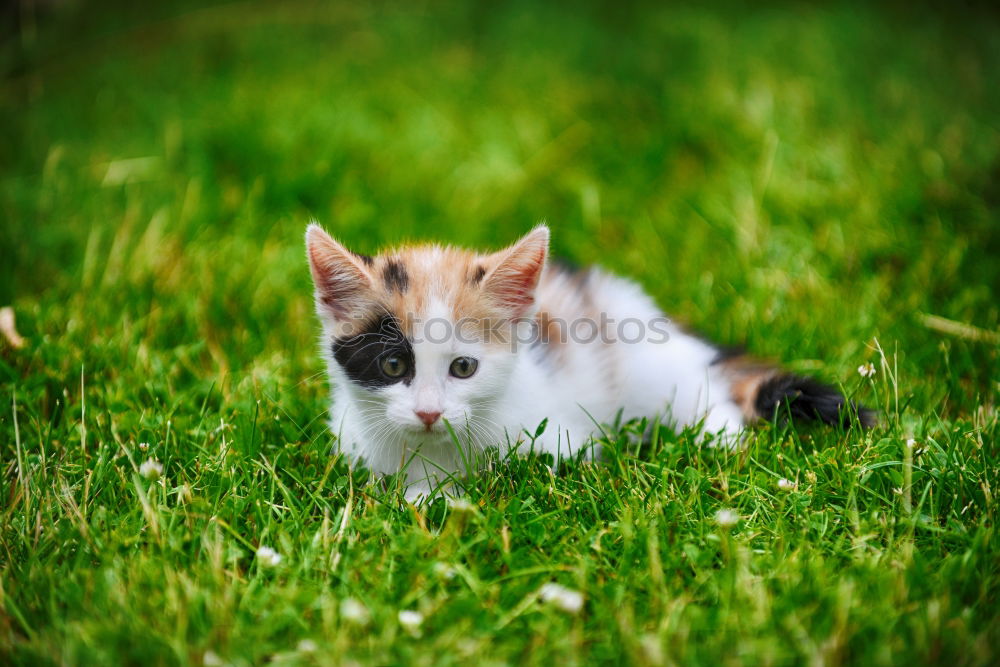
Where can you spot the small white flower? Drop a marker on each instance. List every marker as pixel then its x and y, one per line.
pixel 726 518
pixel 151 470
pixel 444 570
pixel 786 484
pixel 211 659
pixel 461 505
pixel 354 612
pixel 268 557
pixel 566 599
pixel 866 370
pixel 911 443
pixel 306 646
pixel 411 620
pixel 652 647
pixel 143 446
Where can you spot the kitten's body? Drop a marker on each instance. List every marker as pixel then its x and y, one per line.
pixel 573 347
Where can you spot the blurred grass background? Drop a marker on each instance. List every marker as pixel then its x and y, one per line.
pixel 767 174
pixel 804 178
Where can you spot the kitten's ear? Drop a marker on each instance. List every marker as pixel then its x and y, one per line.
pixel 339 276
pixel 511 285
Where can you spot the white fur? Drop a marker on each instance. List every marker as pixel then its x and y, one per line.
pixel 513 391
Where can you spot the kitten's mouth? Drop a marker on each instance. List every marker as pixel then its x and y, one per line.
pixel 421 429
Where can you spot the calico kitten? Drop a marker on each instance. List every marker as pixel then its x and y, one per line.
pixel 493 344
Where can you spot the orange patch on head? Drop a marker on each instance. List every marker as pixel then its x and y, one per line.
pixel 477 290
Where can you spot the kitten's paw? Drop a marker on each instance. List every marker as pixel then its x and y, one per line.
pixel 723 427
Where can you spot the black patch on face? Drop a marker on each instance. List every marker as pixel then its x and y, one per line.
pixel 368 260
pixel 395 276
pixel 806 398
pixel 361 356
pixel 477 275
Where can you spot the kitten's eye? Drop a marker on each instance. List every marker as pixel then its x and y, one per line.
pixel 393 366
pixel 464 367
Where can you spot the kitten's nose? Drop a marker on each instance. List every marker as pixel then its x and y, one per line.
pixel 427 418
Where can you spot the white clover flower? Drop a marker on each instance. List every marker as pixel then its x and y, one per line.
pixel 306 646
pixel 143 446
pixel 444 570
pixel 566 599
pixel 786 484
pixel 211 659
pixel 726 518
pixel 268 557
pixel 354 612
pixel 911 443
pixel 866 370
pixel 151 470
pixel 461 505
pixel 411 620
pixel 652 649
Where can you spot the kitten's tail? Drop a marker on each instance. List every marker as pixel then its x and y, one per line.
pixel 765 392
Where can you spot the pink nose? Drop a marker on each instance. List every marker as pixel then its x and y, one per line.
pixel 427 418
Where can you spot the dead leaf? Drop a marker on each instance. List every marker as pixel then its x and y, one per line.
pixel 9 329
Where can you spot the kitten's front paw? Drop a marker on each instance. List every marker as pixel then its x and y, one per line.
pixel 422 491
pixel 723 427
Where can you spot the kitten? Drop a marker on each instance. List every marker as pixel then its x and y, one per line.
pixel 493 344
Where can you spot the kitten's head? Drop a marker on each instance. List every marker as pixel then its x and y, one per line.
pixel 423 334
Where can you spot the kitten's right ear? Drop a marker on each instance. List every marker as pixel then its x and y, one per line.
pixel 511 284
pixel 339 276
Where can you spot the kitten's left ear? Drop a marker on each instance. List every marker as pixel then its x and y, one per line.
pixel 511 285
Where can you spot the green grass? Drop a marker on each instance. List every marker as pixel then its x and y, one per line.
pixel 817 182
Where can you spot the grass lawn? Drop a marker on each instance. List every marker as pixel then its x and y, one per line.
pixel 818 182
